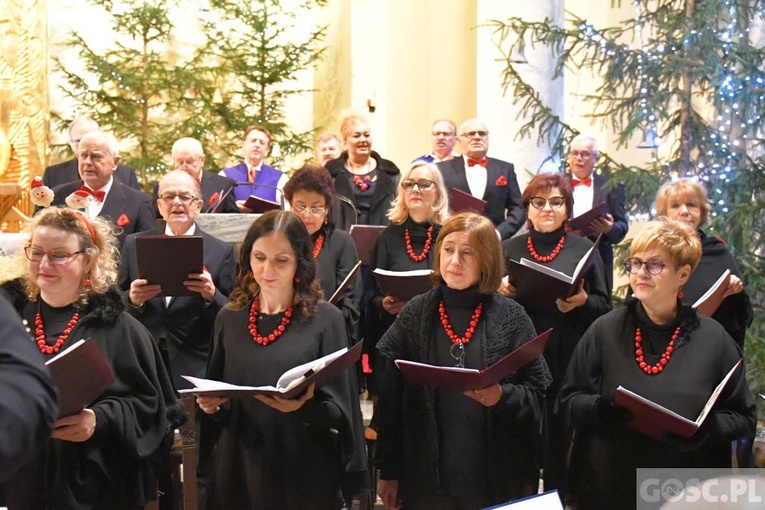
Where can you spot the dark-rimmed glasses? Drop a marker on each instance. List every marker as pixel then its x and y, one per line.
pixel 474 134
pixel 654 266
pixel 58 258
pixel 541 202
pixel 580 154
pixel 422 185
pixel 185 198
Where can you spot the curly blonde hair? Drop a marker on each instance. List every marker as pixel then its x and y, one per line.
pixel 96 239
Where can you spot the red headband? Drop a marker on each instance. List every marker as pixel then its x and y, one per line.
pixel 83 219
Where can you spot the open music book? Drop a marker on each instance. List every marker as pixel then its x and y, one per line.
pixel 538 286
pixel 713 298
pixel 291 383
pixel 461 379
pixel 549 500
pixel 404 285
pixel 657 421
pixel 81 375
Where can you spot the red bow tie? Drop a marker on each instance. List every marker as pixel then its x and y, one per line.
pixel 474 162
pixel 584 182
pixel 99 195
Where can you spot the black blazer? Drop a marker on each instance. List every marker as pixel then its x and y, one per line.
pixel 502 196
pixel 212 183
pixel 614 199
pixel 185 324
pixel 66 172
pixel 384 192
pixel 125 207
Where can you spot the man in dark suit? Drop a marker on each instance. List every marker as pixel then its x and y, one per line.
pixel 589 191
pixel 125 207
pixel 68 171
pixel 181 325
pixel 217 190
pixel 489 179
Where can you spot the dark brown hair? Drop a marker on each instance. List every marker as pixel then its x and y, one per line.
pixel 307 290
pixel 311 178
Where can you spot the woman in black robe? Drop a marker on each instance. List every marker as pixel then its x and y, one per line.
pixel 663 351
pixel 443 449
pixel 102 457
pixel 548 200
pixel 273 452
pixel 310 194
pixel 416 215
pixel 686 200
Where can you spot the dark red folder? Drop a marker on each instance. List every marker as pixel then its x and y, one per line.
pixel 365 237
pixel 260 205
pixel 168 261
pixel 712 299
pixel 339 291
pixel 81 374
pixel 582 222
pixel 461 379
pixel 460 201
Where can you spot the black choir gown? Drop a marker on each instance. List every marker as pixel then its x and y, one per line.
pixel 735 313
pixel 336 259
pixel 568 328
pixel 266 459
pixel 607 454
pixel 390 253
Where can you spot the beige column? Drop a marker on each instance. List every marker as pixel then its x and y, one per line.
pixel 23 105
pixel 495 106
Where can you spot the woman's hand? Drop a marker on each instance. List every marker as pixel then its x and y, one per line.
pixel 75 428
pixel 388 492
pixel 210 405
pixel 392 305
pixel 575 301
pixel 287 405
pixel 487 396
pixel 735 286
pixel 506 288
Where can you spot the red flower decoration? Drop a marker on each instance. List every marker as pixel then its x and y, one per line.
pixel 123 220
pixel 213 198
pixel 501 181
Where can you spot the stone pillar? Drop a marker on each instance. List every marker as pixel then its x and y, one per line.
pixel 23 105
pixel 494 106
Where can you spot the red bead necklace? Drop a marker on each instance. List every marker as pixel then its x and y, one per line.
pixel 448 327
pixel 40 334
pixel 640 358
pixel 317 245
pixel 425 249
pixel 265 340
pixel 363 184
pixel 545 258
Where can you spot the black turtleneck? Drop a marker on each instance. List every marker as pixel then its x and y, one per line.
pixel 656 337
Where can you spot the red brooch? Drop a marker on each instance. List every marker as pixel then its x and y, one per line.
pixel 317 246
pixel 640 359
pixel 213 198
pixel 425 249
pixel 362 184
pixel 123 220
pixel 502 181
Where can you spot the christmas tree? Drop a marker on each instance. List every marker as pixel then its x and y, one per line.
pixel 687 77
pixel 237 74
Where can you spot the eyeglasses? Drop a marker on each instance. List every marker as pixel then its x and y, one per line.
pixel 58 258
pixel 541 202
pixel 457 351
pixel 185 198
pixel 474 134
pixel 422 185
pixel 445 134
pixel 580 154
pixel 654 266
pixel 313 211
